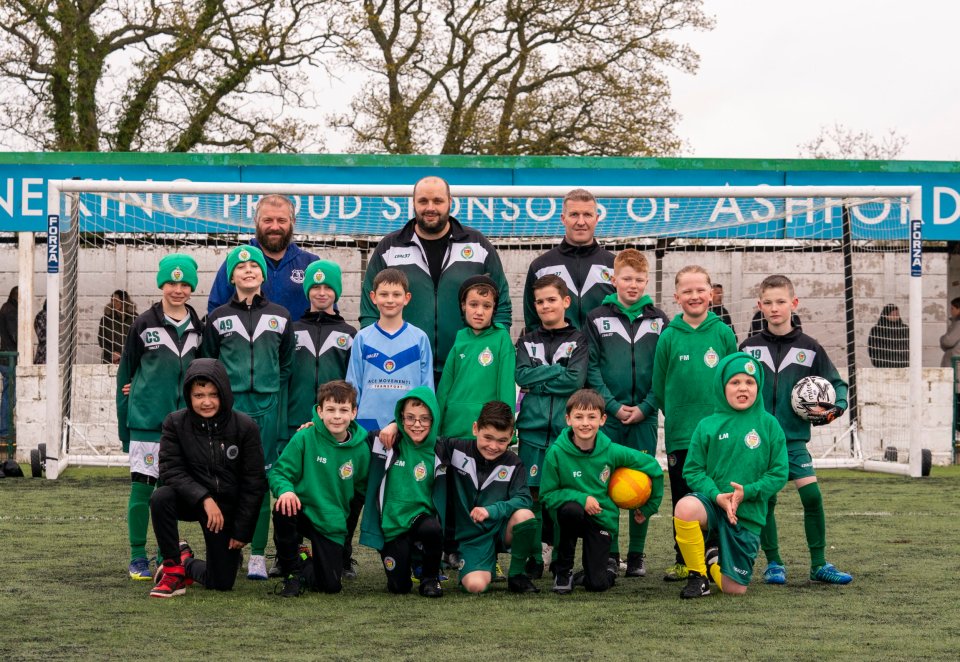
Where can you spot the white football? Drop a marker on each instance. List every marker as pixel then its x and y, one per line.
pixel 809 392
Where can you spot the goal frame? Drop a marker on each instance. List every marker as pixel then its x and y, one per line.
pixel 56 432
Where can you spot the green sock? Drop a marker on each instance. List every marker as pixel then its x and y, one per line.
pixel 138 518
pixel 638 535
pixel 259 543
pixel 814 523
pixel 522 546
pixel 538 533
pixel 769 541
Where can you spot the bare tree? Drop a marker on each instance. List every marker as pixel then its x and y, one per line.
pixel 172 75
pixel 841 142
pixel 519 76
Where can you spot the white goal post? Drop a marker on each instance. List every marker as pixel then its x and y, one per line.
pixel 655 218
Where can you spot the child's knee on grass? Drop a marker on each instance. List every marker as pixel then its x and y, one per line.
pixel 731 587
pixel 690 509
pixel 476 581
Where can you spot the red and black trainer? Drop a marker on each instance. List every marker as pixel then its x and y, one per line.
pixel 171 581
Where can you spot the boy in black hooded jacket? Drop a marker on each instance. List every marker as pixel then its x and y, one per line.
pixel 211 467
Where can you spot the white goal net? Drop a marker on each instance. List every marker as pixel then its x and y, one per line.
pixel 848 251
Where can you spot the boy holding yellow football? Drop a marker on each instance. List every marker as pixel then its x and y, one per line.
pixel 574 488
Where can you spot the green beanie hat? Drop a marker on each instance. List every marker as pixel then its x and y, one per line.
pixel 323 272
pixel 177 268
pixel 736 363
pixel 245 253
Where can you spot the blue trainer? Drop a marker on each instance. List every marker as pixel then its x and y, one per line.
pixel 775 574
pixel 139 569
pixel 830 575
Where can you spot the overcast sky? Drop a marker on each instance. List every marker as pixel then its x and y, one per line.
pixel 772 72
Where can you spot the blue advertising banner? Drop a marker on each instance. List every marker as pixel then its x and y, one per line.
pixel 23 204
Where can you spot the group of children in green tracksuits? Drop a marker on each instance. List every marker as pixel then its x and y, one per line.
pixel 349 420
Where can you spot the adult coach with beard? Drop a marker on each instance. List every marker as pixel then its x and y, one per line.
pixel 286 262
pixel 583 264
pixel 437 253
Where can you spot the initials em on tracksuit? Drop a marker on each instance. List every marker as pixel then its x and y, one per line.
pixel 435 306
pixel 587 271
pixel 400 513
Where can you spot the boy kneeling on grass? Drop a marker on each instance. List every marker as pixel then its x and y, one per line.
pixel 573 486
pixel 737 461
pixel 322 468
pixel 211 467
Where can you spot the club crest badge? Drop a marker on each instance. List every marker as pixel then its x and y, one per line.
pixel 389 563
pixel 486 357
pixel 389 365
pixel 342 341
pixel 534 470
pixel 711 358
pixel 149 459
pixel 176 275
pixel 466 252
pixel 605 474
pixel 801 357
pixel 502 474
pixel 273 323
pixel 420 472
pixel 346 470
pixel 655 326
pixel 752 440
pixel 606 275
pixel 750 368
pixel 319 277
pixel 243 255
pixel 297 276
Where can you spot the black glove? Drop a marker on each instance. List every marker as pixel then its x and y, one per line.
pixel 829 414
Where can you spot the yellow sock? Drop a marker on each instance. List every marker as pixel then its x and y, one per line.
pixel 717 575
pixel 690 541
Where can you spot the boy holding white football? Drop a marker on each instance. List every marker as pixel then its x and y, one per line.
pixel 737 460
pixel 574 488
pixel 788 355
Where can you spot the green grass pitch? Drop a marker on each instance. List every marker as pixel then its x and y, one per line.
pixel 64 593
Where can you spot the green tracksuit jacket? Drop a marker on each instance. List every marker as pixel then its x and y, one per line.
pixel 745 447
pixel 786 360
pixel 683 370
pixel 569 474
pixel 480 368
pixel 621 367
pixel 435 307
pixel 587 271
pixel 153 362
pixel 256 343
pixel 498 485
pixel 400 484
pixel 324 474
pixel 322 352
pixel 551 366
